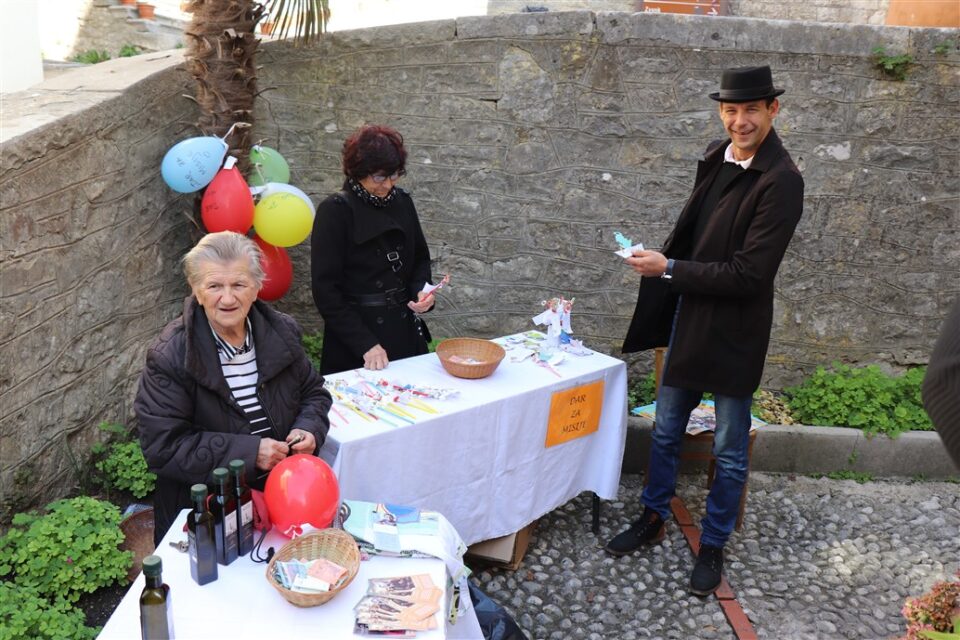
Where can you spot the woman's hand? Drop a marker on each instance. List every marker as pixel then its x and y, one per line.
pixel 423 304
pixel 648 263
pixel 271 453
pixel 376 358
pixel 300 441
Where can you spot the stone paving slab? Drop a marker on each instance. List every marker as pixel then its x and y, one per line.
pixel 816 558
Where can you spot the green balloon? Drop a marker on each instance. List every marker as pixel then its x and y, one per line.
pixel 267 165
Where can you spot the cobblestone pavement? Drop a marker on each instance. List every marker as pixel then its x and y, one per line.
pixel 816 558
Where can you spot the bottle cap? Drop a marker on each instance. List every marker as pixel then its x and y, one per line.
pixel 198 491
pixel 220 475
pixel 152 566
pixel 237 466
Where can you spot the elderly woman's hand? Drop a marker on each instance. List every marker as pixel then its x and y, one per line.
pixel 375 358
pixel 423 304
pixel 271 453
pixel 301 441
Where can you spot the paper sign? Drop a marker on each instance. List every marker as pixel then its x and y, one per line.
pixel 574 413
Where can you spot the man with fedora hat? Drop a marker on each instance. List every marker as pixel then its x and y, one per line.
pixel 708 297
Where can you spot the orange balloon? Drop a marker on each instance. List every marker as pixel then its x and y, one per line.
pixel 278 269
pixel 301 490
pixel 227 204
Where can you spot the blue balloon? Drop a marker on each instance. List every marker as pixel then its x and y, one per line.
pixel 191 164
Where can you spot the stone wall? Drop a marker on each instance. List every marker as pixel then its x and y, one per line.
pixel 532 138
pixel 848 11
pixel 89 241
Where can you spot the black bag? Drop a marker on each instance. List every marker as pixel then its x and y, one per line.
pixel 495 622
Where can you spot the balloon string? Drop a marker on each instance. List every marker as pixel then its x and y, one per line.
pixel 232 127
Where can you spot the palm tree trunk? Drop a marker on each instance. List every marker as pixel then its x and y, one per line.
pixel 221 51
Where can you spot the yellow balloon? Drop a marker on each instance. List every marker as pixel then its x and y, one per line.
pixel 283 219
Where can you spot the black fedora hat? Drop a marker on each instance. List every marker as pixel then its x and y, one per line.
pixel 745 85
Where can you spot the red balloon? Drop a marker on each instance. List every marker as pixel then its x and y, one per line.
pixel 227 204
pixel 301 490
pixel 278 269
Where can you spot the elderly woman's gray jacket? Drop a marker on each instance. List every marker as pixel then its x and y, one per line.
pixel 190 422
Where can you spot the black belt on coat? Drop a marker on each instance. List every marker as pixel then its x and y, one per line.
pixel 389 298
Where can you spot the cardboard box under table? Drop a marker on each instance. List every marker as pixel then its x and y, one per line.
pixel 506 450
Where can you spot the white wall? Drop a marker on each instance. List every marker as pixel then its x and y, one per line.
pixel 21 65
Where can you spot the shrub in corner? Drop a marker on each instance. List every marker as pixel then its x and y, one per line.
pixel 72 549
pixel 24 614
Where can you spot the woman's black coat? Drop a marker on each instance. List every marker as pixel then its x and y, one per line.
pixel 726 278
pixel 190 423
pixel 349 245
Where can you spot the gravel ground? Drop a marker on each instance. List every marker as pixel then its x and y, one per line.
pixel 816 558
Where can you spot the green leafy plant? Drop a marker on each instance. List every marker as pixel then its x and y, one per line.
pixel 863 398
pixel 893 66
pixel 129 50
pixel 91 56
pixel 125 468
pixel 72 549
pixel 313 345
pixel 24 614
pixel 943 47
pixel 642 392
pixel 432 345
pixel 936 614
pixel 860 477
pixel 120 462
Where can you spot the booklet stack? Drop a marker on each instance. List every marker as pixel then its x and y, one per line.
pixel 398 607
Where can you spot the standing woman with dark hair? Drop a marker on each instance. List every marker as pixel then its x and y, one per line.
pixel 369 259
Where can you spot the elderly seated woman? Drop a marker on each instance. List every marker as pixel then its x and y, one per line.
pixel 228 379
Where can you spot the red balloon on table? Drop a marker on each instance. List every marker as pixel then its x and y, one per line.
pixel 301 490
pixel 277 268
pixel 227 204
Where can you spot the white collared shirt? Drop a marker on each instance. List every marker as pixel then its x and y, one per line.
pixel 728 157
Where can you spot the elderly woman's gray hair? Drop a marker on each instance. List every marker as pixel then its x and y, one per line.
pixel 221 248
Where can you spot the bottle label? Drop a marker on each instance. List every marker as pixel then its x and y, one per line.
pixel 247 513
pixel 230 524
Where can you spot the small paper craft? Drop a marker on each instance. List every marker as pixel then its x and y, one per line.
pixel 430 288
pixel 626 245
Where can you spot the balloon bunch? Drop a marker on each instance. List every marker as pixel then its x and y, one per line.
pixel 282 216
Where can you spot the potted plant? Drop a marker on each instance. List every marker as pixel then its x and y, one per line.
pixel 936 614
pixel 146 10
pixel 266 28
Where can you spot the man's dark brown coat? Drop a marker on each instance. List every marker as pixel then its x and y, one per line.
pixel 726 279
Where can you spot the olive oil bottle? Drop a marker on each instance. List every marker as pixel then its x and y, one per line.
pixel 156 619
pixel 223 507
pixel 244 510
pixel 203 545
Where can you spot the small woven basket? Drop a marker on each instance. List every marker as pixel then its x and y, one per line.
pixel 335 545
pixel 487 354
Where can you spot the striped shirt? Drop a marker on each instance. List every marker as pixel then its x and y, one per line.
pixel 239 365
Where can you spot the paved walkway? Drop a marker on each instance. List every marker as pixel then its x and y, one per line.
pixel 815 559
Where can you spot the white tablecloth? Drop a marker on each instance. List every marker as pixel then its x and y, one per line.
pixel 482 462
pixel 241 604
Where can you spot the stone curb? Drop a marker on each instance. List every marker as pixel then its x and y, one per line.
pixel 807 450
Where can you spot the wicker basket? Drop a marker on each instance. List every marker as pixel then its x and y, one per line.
pixel 488 355
pixel 335 545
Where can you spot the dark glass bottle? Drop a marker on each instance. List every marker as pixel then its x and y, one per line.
pixel 156 620
pixel 203 545
pixel 244 511
pixel 222 507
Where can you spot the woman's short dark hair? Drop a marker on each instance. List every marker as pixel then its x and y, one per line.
pixel 373 149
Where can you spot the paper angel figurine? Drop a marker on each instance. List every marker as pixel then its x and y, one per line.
pixel 565 330
pixel 551 317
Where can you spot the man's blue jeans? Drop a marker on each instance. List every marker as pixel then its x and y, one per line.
pixel 729 448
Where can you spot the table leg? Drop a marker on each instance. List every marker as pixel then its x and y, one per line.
pixel 596 515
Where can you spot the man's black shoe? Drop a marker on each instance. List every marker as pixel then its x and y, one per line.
pixel 648 529
pixel 707 572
